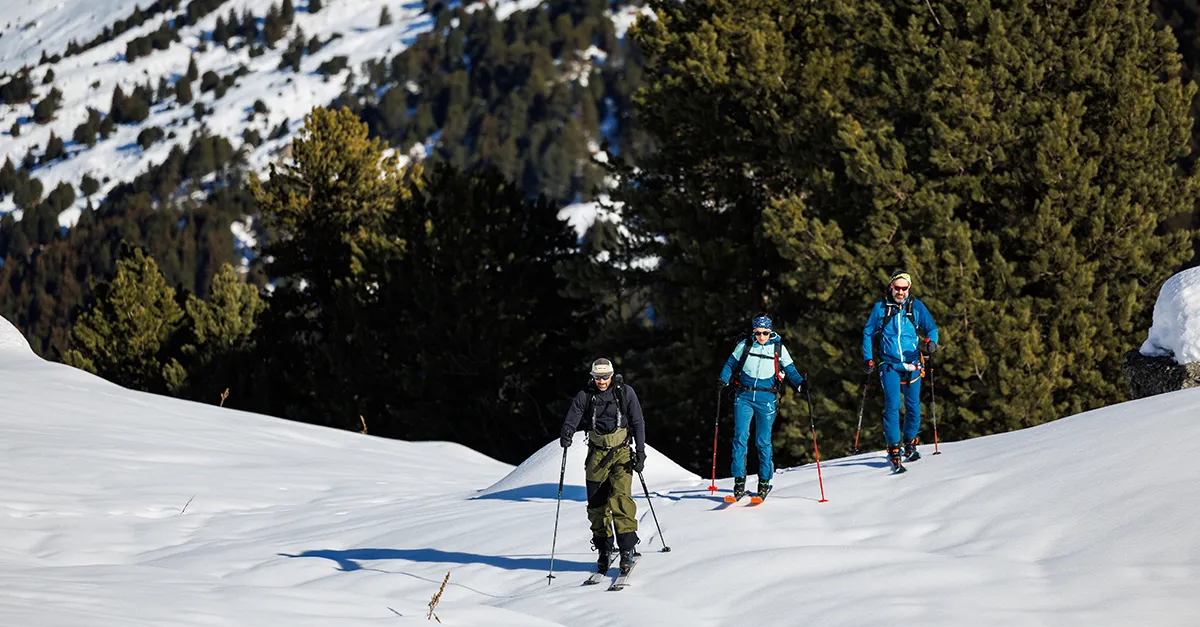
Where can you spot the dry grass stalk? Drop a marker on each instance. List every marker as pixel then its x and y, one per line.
pixel 188 503
pixel 224 395
pixel 437 597
pixel 364 424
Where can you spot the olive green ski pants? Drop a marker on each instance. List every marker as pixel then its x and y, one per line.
pixel 609 498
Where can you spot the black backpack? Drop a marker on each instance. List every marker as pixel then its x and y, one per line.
pixel 735 378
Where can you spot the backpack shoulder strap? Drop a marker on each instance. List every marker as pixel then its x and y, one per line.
pixel 622 413
pixel 737 370
pixel 887 317
pixel 778 353
pixel 588 413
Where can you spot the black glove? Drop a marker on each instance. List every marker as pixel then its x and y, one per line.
pixel 869 366
pixel 639 461
pixel 721 384
pixel 565 438
pixel 803 387
pixel 930 346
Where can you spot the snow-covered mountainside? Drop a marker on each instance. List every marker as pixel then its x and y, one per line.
pixel 35 33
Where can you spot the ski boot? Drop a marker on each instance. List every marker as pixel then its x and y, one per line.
pixel 911 454
pixel 764 488
pixel 627 559
pixel 739 490
pixel 894 454
pixel 605 546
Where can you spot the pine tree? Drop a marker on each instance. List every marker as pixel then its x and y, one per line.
pixel 274 27
pixel 324 209
pixel 220 34
pixel 385 17
pixel 45 110
pixel 123 335
pixel 218 332
pixel 806 151
pixel 347 193
pixel 287 12
pixel 193 72
pixel 8 176
pixel 89 185
pixel 183 91
pixel 314 6
pixel 27 192
pixel 54 148
pixel 86 133
pixel 18 89
pixel 474 244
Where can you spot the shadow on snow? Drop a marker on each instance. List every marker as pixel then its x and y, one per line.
pixel 349 560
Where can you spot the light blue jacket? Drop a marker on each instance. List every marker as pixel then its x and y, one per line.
pixel 759 369
pixel 898 343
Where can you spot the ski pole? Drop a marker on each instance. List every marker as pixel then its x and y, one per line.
pixel 716 426
pixel 861 405
pixel 933 408
pixel 562 474
pixel 812 423
pixel 665 549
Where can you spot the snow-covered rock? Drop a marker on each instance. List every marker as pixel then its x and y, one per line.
pixel 1169 359
pixel 1176 328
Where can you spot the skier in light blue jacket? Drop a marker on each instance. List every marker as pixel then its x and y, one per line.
pixel 892 342
pixel 757 367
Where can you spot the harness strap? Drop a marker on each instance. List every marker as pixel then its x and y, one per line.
pixel 736 376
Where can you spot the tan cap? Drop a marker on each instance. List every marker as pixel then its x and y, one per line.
pixel 602 367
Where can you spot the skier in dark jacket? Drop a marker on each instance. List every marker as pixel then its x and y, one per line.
pixel 758 386
pixel 894 328
pixel 609 411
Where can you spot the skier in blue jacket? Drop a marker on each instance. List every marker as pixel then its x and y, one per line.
pixel 758 383
pixel 891 341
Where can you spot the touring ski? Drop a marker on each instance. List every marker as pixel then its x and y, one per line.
pixel 622 579
pixel 595 578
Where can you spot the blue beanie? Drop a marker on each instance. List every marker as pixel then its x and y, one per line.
pixel 761 322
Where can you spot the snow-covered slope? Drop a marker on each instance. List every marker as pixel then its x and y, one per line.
pixel 126 508
pixel 87 79
pixel 30 28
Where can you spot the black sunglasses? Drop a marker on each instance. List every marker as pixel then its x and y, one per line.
pixel 767 333
pixel 601 377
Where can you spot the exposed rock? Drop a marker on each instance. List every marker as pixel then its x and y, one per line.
pixel 1148 376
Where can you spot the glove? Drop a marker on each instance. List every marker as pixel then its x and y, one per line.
pixel 721 384
pixel 930 346
pixel 869 366
pixel 803 387
pixel 639 461
pixel 566 438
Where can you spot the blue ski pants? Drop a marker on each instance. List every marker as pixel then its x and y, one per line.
pixel 895 392
pixel 761 407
